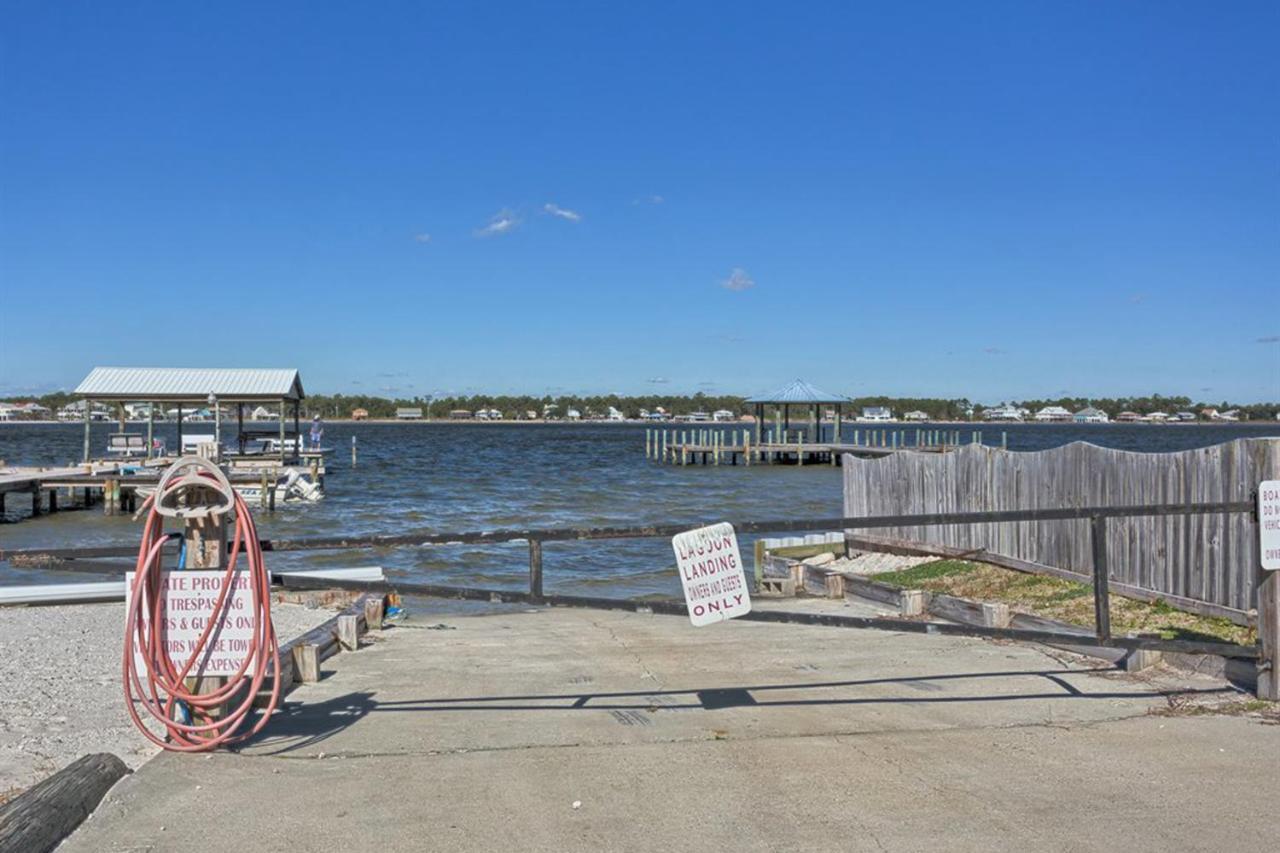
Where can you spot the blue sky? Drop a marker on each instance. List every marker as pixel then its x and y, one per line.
pixel 995 200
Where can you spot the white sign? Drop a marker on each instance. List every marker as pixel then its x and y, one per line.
pixel 715 586
pixel 1269 524
pixel 188 600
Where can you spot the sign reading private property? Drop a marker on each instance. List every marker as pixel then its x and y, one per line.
pixel 715 586
pixel 1269 524
pixel 187 604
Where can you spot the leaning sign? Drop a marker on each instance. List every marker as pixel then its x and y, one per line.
pixel 1269 524
pixel 715 586
pixel 186 606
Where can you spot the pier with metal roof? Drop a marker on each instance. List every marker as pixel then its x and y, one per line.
pixel 196 387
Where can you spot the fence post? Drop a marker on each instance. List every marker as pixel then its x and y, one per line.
pixel 1101 585
pixel 535 568
pixel 1268 634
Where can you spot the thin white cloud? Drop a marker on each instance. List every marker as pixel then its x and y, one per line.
pixel 648 199
pixel 658 380
pixel 738 281
pixel 562 212
pixel 1270 339
pixel 423 237
pixel 501 222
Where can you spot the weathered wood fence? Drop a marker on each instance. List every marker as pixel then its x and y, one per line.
pixel 1202 558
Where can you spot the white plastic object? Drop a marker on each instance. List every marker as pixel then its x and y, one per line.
pixel 190 472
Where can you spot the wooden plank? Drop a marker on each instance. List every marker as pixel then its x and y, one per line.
pixel 857 586
pixel 37 820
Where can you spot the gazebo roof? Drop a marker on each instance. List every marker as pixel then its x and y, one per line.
pixel 800 392
pixel 183 384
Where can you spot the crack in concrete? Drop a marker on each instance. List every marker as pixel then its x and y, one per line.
pixel 644 669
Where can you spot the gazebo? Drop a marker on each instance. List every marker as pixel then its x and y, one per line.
pixel 196 387
pixel 798 393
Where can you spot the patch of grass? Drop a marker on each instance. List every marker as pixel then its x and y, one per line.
pixel 913 577
pixel 1064 600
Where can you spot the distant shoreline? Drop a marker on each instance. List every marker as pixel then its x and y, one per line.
pixel 660 424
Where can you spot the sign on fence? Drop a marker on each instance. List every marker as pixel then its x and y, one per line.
pixel 1269 524
pixel 189 597
pixel 715 585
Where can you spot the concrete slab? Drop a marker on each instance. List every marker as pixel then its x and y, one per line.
pixel 481 733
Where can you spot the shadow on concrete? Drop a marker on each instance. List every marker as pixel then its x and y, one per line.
pixel 710 699
pixel 300 725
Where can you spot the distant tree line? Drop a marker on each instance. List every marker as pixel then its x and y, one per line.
pixel 515 406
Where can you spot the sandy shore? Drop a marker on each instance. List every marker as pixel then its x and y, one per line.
pixel 61 696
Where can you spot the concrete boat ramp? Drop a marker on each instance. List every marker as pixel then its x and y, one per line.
pixel 559 729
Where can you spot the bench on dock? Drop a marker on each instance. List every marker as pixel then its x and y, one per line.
pixel 126 444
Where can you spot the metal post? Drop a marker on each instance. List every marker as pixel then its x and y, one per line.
pixel 151 428
pixel 535 568
pixel 1101 578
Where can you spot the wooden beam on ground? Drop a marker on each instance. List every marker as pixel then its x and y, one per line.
pixel 38 819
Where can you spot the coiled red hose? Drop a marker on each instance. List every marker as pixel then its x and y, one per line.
pixel 161 687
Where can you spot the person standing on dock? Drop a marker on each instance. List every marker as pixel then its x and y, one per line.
pixel 317 432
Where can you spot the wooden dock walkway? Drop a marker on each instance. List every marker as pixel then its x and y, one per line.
pixel 116 483
pixel 714 445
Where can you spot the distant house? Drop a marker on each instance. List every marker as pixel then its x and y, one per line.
pixel 1090 415
pixel 409 413
pixel 1229 415
pixel 25 411
pixel 488 415
pixel 530 415
pixel 1184 417
pixel 1209 414
pixel 262 413
pixel 1053 414
pixel 915 415
pixel 1128 418
pixel 573 415
pixel 615 415
pixel 460 415
pixel 722 415
pixel 876 413
pixel 359 414
pixel 697 417
pixel 646 415
pixel 1003 413
pixel 1157 417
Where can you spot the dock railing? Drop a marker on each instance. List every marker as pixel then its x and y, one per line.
pixel 74 559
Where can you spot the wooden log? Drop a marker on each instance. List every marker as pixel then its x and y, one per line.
pixel 995 614
pixel 349 632
pixel 37 820
pixel 856 586
pixel 912 602
pixel 955 609
pixel 306 662
pixel 373 612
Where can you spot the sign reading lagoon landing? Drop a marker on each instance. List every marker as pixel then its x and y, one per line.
pixel 715 586
pixel 1269 524
pixel 188 599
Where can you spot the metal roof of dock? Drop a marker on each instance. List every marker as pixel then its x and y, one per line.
pixel 798 392
pixel 181 384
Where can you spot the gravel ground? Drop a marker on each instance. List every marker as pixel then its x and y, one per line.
pixel 60 692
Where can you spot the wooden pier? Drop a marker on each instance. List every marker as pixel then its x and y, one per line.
pixel 713 445
pixel 116 484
